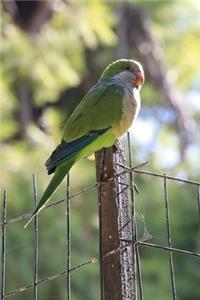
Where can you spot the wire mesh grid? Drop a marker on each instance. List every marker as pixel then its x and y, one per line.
pixel 137 243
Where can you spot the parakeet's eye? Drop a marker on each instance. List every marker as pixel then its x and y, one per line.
pixel 128 68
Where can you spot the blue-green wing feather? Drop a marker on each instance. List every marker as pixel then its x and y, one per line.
pixel 66 150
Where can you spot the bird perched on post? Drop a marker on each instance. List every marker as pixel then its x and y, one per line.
pixel 103 115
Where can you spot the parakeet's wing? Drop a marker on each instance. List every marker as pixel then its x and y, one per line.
pixel 67 150
pixel 98 110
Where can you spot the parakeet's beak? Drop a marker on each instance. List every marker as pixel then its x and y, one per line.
pixel 139 79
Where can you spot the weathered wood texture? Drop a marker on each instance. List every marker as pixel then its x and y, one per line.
pixel 117 268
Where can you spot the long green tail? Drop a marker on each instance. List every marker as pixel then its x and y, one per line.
pixel 60 173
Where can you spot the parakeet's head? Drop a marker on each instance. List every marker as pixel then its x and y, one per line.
pixel 127 70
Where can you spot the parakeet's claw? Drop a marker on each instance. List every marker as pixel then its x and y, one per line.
pixel 91 156
pixel 117 147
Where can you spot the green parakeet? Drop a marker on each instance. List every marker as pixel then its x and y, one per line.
pixel 104 114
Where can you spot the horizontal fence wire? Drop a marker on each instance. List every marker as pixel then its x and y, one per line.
pixel 135 171
pixel 49 278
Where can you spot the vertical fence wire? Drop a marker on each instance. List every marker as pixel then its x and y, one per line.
pixel 134 227
pixel 169 240
pixel 133 221
pixel 140 283
pixel 68 246
pixel 102 162
pixel 3 245
pixel 198 203
pixel 36 242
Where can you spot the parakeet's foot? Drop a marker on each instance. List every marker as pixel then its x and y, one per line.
pixel 117 147
pixel 91 156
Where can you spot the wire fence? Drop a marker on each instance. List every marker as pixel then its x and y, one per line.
pixel 138 243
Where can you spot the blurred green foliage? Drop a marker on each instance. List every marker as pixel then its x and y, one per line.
pixel 42 68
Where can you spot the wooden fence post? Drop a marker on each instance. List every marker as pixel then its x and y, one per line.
pixel 117 262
